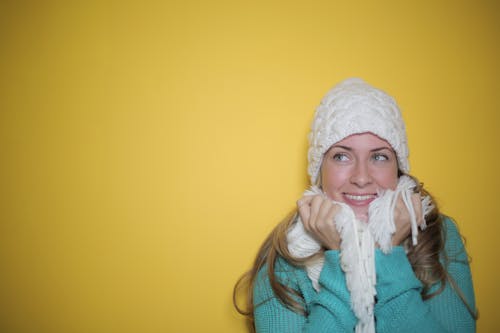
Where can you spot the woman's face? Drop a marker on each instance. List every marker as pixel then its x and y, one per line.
pixel 356 168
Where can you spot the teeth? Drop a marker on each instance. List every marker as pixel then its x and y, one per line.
pixel 359 197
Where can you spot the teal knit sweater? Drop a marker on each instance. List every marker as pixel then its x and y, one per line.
pixel 399 307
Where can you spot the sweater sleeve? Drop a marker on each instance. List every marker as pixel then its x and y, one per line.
pixel 400 307
pixel 326 311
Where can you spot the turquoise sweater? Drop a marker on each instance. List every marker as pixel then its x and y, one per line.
pixel 399 306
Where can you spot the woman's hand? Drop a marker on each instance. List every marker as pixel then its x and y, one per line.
pixel 317 214
pixel 402 218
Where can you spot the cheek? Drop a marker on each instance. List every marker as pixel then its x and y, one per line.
pixel 332 179
pixel 388 179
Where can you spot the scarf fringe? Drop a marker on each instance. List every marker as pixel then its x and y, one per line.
pixel 357 248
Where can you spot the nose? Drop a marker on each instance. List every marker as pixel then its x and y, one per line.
pixel 361 175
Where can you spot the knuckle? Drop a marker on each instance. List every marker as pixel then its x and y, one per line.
pixel 317 199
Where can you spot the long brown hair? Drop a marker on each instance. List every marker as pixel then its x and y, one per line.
pixel 424 259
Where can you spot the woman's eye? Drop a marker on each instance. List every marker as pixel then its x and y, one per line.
pixel 380 157
pixel 340 157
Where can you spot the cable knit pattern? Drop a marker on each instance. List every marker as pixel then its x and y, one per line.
pixel 354 107
pixel 399 306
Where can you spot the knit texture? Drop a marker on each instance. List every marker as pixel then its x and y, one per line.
pixel 354 107
pixel 399 306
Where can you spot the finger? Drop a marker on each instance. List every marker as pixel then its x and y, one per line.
pixel 324 209
pixel 304 208
pixel 330 226
pixel 332 212
pixel 417 206
pixel 323 222
pixel 315 207
pixel 400 211
pixel 305 200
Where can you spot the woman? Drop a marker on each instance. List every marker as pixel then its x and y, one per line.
pixel 351 258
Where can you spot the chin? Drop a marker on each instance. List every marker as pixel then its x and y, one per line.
pixel 361 215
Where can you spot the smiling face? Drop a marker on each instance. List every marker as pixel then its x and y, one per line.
pixel 356 168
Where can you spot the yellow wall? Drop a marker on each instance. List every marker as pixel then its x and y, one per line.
pixel 147 147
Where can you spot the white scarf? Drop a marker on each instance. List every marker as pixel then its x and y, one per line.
pixel 357 247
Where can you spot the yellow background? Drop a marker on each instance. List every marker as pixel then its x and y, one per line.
pixel 148 147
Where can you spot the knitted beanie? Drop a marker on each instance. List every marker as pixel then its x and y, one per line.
pixel 355 107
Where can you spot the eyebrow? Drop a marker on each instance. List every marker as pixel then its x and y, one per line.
pixel 371 150
pixel 382 148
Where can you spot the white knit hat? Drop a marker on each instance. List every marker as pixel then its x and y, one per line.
pixel 354 107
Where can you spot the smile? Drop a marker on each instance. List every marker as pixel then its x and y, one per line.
pixel 359 197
